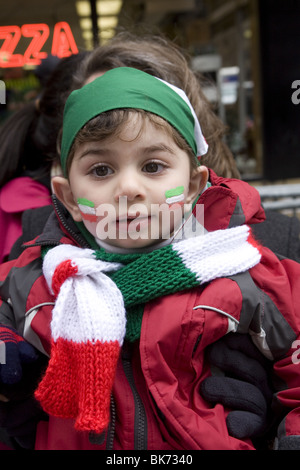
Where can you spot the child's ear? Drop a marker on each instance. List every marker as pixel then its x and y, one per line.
pixel 198 181
pixel 63 192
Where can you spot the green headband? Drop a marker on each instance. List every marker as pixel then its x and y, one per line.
pixel 125 87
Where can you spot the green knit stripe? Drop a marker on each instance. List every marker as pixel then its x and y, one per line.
pixel 144 277
pixel 134 323
pixel 100 253
pixel 45 249
pixel 153 275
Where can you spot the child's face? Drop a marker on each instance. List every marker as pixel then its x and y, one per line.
pixel 125 179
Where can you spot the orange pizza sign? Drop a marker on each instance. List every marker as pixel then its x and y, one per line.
pixel 63 43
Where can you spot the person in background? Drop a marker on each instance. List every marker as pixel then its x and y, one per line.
pixel 28 156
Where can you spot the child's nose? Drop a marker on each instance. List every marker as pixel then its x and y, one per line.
pixel 129 186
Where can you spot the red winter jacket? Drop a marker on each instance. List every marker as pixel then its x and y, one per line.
pixel 156 402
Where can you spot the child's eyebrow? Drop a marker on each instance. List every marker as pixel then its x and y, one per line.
pixel 158 148
pixel 147 151
pixel 94 151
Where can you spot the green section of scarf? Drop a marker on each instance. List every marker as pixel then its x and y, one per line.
pixel 146 277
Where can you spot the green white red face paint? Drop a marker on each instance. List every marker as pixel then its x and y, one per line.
pixel 135 222
pixel 87 209
pixel 175 196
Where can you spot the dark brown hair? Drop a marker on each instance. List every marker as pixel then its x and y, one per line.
pixel 160 57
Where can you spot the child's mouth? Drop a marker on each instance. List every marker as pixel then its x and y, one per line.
pixel 132 224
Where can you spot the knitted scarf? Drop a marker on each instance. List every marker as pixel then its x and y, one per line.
pixel 95 289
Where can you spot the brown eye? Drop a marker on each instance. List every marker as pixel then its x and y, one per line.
pixel 153 167
pixel 101 171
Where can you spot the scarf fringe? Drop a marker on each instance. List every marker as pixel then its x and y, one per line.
pixel 78 383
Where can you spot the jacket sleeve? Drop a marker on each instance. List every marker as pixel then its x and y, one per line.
pixel 287 399
pixel 22 299
pixel 287 367
pixel 275 329
pixel 6 309
pixel 25 301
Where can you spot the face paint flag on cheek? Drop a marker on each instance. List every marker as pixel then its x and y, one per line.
pixel 175 196
pixel 87 209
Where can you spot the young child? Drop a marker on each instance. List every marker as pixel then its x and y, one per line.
pixel 148 261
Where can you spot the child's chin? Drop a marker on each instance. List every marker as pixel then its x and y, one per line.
pixel 130 243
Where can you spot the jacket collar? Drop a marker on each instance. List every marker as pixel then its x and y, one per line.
pixel 60 228
pixel 230 203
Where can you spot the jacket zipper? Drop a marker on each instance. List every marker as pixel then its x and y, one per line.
pixel 75 236
pixel 140 418
pixel 78 238
pixel 99 439
pixel 111 427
